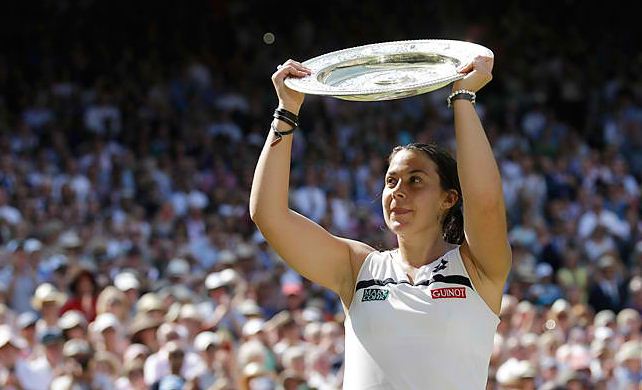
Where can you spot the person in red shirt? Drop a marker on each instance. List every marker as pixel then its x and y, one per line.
pixel 83 290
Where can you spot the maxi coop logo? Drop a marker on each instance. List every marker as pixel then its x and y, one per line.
pixel 448 292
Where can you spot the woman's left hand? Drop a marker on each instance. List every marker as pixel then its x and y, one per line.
pixel 478 74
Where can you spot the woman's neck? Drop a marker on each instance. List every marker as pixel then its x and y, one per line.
pixel 421 252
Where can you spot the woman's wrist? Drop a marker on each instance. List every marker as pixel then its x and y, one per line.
pixel 293 108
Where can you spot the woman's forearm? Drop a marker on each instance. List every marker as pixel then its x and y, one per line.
pixel 269 194
pixel 478 172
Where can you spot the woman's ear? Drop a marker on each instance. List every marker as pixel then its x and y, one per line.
pixel 452 197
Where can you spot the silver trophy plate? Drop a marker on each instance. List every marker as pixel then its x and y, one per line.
pixel 388 70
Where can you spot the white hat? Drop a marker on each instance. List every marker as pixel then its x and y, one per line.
pixel 205 339
pixel 69 239
pixel 603 317
pixel 149 302
pixel 189 312
pixel 253 326
pixel 511 372
pixel 216 280
pixel 105 321
pixel 135 350
pixel 226 257
pixel 178 267
pixel 229 276
pixel 197 200
pixel 125 281
pixel 71 319
pixel 543 270
pixel 213 281
pixel 249 308
pixel 603 333
pixel 312 314
pixel 560 305
pixel 244 250
pixel 75 347
pixel 7 337
pixel 46 292
pixel 32 245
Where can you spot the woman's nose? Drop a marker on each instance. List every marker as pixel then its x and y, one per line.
pixel 398 192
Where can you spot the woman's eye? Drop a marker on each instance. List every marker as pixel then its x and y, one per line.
pixel 415 179
pixel 391 181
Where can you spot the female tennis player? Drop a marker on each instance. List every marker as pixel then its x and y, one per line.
pixel 423 315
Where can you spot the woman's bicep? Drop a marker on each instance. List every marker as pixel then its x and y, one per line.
pixel 313 252
pixel 485 229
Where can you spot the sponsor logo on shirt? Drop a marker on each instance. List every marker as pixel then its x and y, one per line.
pixel 374 294
pixel 448 292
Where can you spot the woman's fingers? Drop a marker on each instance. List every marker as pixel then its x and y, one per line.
pixel 290 70
pixel 478 73
pixel 465 68
pixel 297 65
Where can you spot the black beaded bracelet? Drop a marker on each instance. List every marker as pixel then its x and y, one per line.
pixel 461 94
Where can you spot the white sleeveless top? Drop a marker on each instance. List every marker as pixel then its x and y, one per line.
pixel 434 334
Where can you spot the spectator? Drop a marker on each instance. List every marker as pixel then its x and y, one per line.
pixel 84 292
pixel 14 370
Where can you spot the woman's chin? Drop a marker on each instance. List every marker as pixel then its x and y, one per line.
pixel 399 226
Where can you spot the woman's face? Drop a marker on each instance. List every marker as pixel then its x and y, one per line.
pixel 412 198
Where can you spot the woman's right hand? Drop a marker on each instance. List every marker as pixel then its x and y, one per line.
pixel 289 99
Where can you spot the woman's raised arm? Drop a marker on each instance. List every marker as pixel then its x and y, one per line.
pixel 308 248
pixel 484 211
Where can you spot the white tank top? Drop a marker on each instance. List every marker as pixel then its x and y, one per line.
pixel 434 334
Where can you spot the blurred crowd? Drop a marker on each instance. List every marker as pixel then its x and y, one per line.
pixel 127 256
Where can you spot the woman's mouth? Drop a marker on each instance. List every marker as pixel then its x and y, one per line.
pixel 400 211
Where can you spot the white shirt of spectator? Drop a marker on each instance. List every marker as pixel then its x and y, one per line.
pixel 157 366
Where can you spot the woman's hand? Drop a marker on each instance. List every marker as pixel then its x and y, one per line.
pixel 478 74
pixel 289 99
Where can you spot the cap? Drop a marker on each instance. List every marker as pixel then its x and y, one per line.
pixel 603 318
pixel 141 323
pixel 560 305
pixel 249 308
pixel 72 319
pixel 75 347
pixel 105 321
pixel 125 281
pixel 32 245
pixel 26 320
pixel 543 270
pixel 214 281
pixel 606 261
pixel 178 267
pixel 508 374
pixel 244 250
pixel 205 339
pixel 312 314
pixel 134 351
pixel 226 257
pixel 189 312
pixel 69 239
pixel 149 302
pixel 197 200
pixel 46 292
pixel 7 337
pixel 253 326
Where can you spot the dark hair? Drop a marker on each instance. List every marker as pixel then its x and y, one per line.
pixel 453 223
